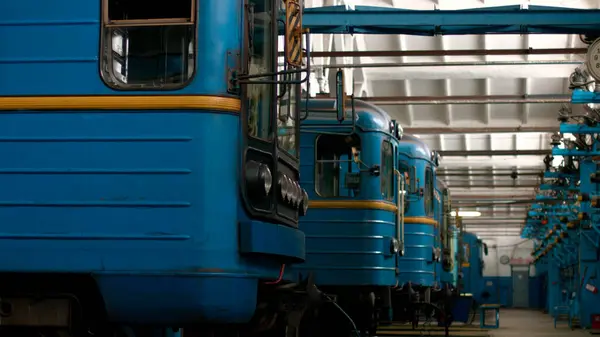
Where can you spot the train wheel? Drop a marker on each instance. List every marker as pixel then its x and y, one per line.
pixel 372 317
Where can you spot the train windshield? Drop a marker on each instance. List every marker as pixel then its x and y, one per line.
pixel 336 172
pixel 261 48
pixel 387 170
pixel 287 117
pixel 429 197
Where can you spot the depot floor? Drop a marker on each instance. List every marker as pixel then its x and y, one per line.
pixel 530 323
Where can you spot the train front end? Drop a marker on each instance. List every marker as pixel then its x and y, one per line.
pixel 352 228
pixel 417 275
pixel 151 169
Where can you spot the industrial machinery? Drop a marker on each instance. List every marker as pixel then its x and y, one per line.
pixel 354 231
pixel 143 184
pixel 566 233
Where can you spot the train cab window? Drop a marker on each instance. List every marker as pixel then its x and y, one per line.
pixel 428 197
pixel 387 170
pixel 148 45
pixel 261 48
pixel 403 168
pixel 336 173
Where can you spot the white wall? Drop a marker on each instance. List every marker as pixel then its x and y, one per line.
pixel 514 247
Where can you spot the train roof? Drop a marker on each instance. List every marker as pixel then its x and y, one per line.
pixel 368 116
pixel 414 147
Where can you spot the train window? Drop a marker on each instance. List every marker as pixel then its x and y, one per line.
pixel 336 173
pixel 148 46
pixel 387 170
pixel 260 61
pixel 286 114
pixel 428 197
pixel 404 169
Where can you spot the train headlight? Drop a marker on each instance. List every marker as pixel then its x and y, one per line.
pixel 297 194
pixel 267 178
pixel 294 193
pixel 289 188
pixel 304 203
pixel 258 178
pixel 395 246
pixel 284 186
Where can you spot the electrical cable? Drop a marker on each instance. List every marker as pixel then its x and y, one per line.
pixel 512 245
pixel 344 313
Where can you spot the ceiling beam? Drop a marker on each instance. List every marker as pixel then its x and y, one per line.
pixel 495 186
pixel 449 64
pixel 480 99
pixel 490 174
pixel 458 52
pixel 494 153
pixel 453 130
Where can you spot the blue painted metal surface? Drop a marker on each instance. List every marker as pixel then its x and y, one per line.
pixel 579 96
pixel 490 20
pixel 417 265
pixel 438 217
pixel 148 203
pixel 472 267
pixel 449 238
pixel 346 245
pixel 567 233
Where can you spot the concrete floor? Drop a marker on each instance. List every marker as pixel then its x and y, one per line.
pixel 530 323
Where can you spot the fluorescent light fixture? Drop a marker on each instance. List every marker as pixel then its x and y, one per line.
pixel 466 214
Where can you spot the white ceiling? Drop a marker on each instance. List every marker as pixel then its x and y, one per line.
pixel 434 123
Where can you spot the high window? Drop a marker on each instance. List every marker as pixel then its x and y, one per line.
pixel 147 45
pixel 336 173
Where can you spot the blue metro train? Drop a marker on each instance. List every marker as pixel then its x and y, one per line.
pixel 449 236
pixel 353 231
pixel 417 278
pixel 379 220
pixel 142 181
pixel 122 216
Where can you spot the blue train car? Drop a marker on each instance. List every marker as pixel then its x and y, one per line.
pixel 449 238
pixel 438 232
pixel 353 229
pixel 417 266
pixel 142 181
pixel 471 269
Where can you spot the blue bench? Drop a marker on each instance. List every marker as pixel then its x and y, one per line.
pixel 483 309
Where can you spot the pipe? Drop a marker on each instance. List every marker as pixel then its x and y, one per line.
pixel 490 99
pixel 446 64
pixel 497 210
pixel 492 204
pixel 511 169
pixel 400 213
pixel 522 213
pixel 500 221
pixel 451 130
pixel 494 153
pixel 459 52
pixel 494 229
pixel 496 178
pixel 495 186
pixel 505 197
pixel 490 174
